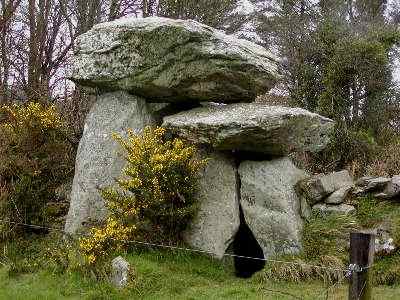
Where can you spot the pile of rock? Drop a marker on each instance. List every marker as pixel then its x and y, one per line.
pixel 135 63
pixel 326 193
pixel 384 188
pixel 381 187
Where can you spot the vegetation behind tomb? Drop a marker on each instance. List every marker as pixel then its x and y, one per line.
pixel 35 158
pixel 338 58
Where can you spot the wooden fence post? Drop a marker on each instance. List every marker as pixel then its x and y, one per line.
pixel 362 249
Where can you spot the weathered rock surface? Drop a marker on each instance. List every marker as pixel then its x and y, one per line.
pixel 167 60
pixel 253 127
pixel 325 209
pixel 120 271
pixel 368 184
pixel 339 196
pixel 363 181
pixel 384 243
pixel 392 188
pixel 317 187
pixel 218 218
pixel 270 205
pixel 97 160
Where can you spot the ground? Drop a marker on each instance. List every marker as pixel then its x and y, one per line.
pixel 169 275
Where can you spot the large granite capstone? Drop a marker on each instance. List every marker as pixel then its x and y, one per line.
pixel 252 127
pixel 165 60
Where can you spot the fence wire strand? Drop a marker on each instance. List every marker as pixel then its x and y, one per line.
pixel 325 293
pixel 175 247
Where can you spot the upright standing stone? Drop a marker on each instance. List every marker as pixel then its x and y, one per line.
pixel 270 205
pixel 218 218
pixel 98 162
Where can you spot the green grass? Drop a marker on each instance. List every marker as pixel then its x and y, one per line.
pixel 183 275
pixel 168 275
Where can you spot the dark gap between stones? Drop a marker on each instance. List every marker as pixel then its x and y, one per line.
pixel 241 155
pixel 244 243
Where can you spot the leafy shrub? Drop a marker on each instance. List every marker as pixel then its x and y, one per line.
pixel 157 189
pixel 155 197
pixel 110 238
pixel 35 157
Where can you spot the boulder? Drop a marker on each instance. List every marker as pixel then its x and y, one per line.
pixel 166 60
pixel 120 271
pixel 369 184
pixel 252 127
pixel 392 188
pixel 339 196
pixel 317 187
pixel 270 205
pixel 98 162
pixel 384 242
pixel 326 209
pixel 363 181
pixel 384 245
pixel 217 220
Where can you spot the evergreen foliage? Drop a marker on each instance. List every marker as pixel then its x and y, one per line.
pixel 337 61
pixel 214 13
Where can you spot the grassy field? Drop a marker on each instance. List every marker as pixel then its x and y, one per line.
pixel 169 275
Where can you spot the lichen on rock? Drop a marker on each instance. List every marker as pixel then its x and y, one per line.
pixel 167 60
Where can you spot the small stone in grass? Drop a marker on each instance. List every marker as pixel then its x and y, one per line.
pixel 121 270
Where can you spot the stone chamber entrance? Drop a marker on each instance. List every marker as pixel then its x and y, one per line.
pixel 245 246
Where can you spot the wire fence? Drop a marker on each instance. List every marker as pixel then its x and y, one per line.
pixel 346 272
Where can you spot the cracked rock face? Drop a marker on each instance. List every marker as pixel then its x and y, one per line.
pixel 167 60
pixel 270 205
pixel 217 220
pixel 253 127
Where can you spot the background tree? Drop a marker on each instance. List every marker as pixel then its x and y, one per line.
pixel 214 13
pixel 337 56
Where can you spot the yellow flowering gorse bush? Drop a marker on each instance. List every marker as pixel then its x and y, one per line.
pixel 154 197
pixel 32 115
pixel 113 236
pixel 35 157
pixel 158 183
